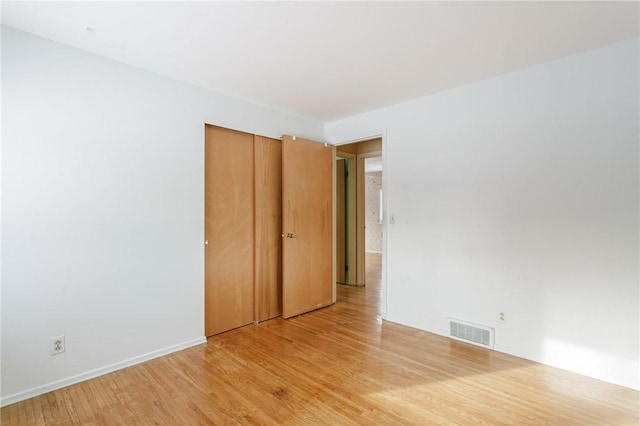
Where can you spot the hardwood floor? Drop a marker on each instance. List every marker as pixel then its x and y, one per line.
pixel 339 365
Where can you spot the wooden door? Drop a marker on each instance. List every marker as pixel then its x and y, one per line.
pixel 268 228
pixel 307 224
pixel 229 235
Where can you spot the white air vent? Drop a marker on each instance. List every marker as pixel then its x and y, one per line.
pixel 471 333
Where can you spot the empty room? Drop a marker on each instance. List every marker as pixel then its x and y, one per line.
pixel 320 213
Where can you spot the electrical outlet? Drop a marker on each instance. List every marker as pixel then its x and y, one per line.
pixel 56 345
pixel 502 317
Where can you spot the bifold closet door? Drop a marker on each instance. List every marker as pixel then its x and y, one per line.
pixel 229 229
pixel 307 224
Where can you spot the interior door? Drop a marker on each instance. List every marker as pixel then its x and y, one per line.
pixel 307 225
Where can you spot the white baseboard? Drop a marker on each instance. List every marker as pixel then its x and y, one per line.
pixel 58 384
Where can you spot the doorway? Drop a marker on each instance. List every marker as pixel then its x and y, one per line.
pixel 373 218
pixel 359 212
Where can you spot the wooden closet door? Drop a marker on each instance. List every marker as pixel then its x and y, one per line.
pixel 307 213
pixel 268 228
pixel 229 235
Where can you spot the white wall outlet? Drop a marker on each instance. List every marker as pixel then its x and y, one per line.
pixel 501 317
pixel 56 345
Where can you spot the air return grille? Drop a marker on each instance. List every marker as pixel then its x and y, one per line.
pixel 471 333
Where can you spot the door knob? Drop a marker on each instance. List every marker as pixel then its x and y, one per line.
pixel 206 242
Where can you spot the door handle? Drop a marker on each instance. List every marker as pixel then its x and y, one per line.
pixel 206 242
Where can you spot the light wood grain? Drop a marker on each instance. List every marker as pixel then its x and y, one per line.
pixel 268 228
pixel 229 223
pixel 340 365
pixel 307 214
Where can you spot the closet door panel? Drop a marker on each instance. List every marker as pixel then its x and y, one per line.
pixel 229 229
pixel 268 227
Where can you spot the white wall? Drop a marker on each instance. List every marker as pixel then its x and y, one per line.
pixel 520 193
pixel 102 209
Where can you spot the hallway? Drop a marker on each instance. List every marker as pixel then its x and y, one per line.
pixel 368 298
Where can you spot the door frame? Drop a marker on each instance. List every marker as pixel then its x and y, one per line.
pixel 385 196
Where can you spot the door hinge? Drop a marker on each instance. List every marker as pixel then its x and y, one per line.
pixel 346 268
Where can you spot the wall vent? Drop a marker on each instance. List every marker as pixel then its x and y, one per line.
pixel 471 333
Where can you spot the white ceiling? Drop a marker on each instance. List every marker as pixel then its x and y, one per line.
pixel 329 60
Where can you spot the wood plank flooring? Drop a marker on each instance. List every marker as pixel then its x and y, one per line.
pixel 341 365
